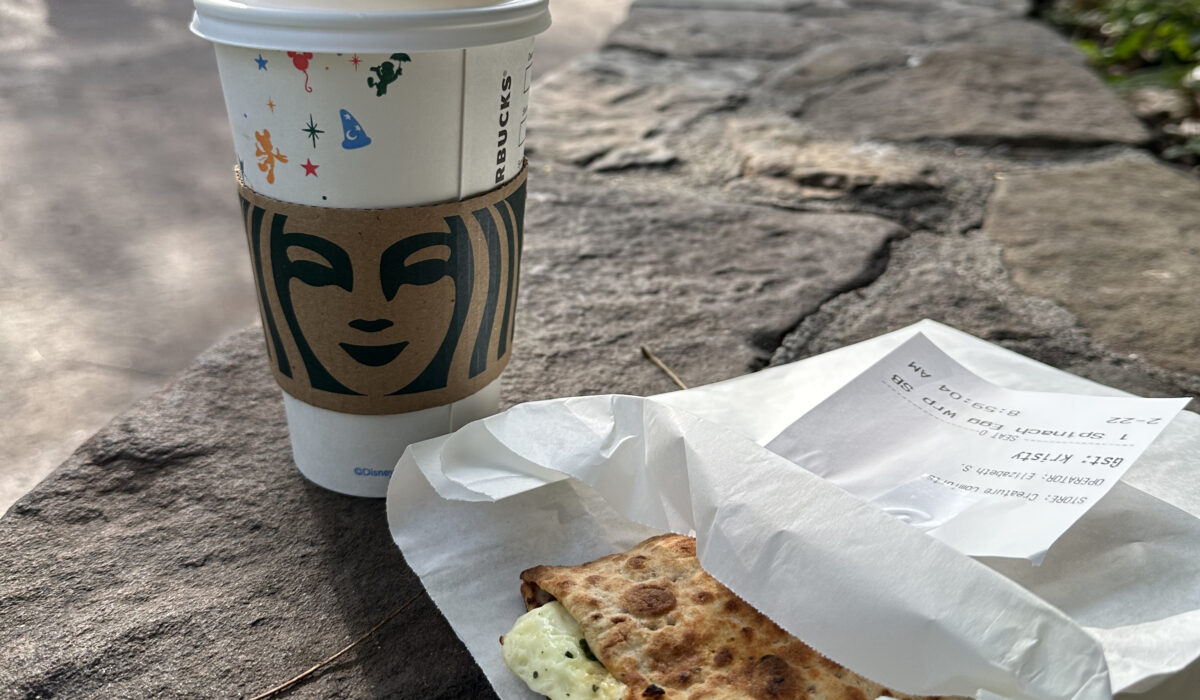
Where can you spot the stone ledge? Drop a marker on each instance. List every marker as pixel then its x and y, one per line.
pixel 963 282
pixel 988 8
pixel 727 179
pixel 710 285
pixel 975 98
pixel 179 553
pixel 1116 242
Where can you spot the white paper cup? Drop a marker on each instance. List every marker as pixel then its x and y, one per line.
pixel 374 104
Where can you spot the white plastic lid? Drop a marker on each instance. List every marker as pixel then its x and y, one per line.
pixel 368 26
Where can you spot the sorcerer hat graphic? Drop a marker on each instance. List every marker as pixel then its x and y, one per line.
pixel 353 135
pixel 377 311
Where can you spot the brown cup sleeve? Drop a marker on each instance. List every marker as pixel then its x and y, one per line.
pixel 381 311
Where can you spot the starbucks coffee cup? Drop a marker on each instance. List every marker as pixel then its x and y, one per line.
pixel 380 167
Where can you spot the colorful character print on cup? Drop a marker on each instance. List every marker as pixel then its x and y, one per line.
pixel 386 73
pixel 268 155
pixel 300 61
pixel 353 135
pixel 376 311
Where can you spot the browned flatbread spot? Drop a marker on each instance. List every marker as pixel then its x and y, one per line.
pixel 647 600
pixel 667 629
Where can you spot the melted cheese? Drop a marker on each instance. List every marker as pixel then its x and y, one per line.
pixel 544 650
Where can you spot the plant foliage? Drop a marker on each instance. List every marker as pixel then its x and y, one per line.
pixel 1138 44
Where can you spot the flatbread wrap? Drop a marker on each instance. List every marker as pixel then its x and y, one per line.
pixel 650 623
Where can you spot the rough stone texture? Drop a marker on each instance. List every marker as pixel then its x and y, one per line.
pixel 880 40
pixel 989 8
pixel 179 553
pixel 723 186
pixel 710 286
pixel 981 98
pixel 834 61
pixel 783 163
pixel 1123 259
pixel 781 149
pixel 1021 36
pixel 962 281
pixel 714 33
pixel 734 5
pixel 616 111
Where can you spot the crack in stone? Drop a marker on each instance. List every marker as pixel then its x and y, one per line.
pixel 875 268
pixel 84 364
pixel 636 50
pixel 1038 144
pixel 141 461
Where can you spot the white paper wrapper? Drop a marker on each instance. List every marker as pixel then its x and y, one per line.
pixel 1116 606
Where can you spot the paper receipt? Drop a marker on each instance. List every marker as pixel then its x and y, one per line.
pixel 990 471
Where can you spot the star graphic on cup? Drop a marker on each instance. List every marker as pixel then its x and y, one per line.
pixel 262 62
pixel 310 168
pixel 312 130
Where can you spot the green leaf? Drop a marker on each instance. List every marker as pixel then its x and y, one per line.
pixel 1157 76
pixel 1090 48
pixel 1181 48
pixel 1131 44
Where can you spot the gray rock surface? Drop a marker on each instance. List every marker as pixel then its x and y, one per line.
pixel 701 33
pixel 980 97
pixel 1123 259
pixel 179 553
pixel 726 187
pixel 987 8
pixel 613 106
pixel 963 282
pixel 783 163
pixel 711 286
pixel 1022 36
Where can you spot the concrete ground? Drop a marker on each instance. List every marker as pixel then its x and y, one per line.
pixel 122 255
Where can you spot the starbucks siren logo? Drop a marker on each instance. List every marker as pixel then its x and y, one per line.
pixel 377 311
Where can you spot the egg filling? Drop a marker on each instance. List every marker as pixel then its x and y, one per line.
pixel 546 649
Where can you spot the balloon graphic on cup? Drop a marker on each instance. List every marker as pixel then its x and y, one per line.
pixel 300 61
